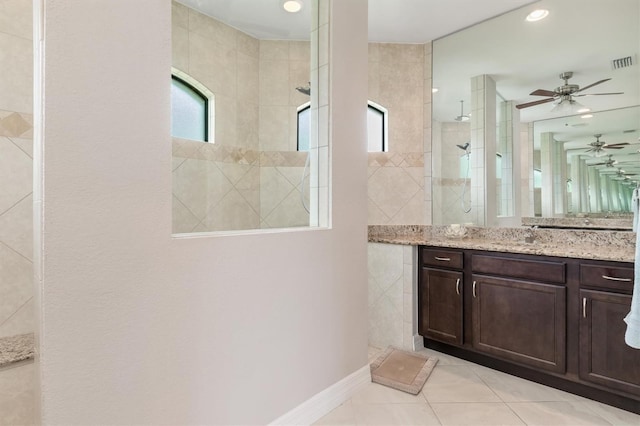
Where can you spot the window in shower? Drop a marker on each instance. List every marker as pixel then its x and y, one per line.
pixel 189 109
pixel 304 117
pixel 269 166
pixel 376 126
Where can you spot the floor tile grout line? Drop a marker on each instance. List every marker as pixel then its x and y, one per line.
pixel 515 413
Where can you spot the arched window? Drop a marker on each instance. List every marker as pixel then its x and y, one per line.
pixel 189 111
pixel 376 126
pixel 304 115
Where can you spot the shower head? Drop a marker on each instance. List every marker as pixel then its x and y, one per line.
pixel 305 90
pixel 464 147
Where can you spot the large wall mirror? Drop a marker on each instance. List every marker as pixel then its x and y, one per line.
pixel 538 117
pixel 249 103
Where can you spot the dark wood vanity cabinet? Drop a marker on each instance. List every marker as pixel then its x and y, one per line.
pixel 440 295
pixel 558 321
pixel 605 300
pixel 520 321
pixel 519 309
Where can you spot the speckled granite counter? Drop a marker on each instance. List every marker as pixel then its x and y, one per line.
pixel 580 244
pixel 16 348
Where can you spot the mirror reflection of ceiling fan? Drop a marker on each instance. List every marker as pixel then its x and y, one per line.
pixel 564 93
pixel 608 163
pixel 621 174
pixel 598 146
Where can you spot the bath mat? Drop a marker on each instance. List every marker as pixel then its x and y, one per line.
pixel 402 370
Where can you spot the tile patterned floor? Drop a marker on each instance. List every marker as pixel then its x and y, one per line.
pixel 459 392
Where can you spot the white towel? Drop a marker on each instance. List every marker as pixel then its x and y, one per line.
pixel 632 336
pixel 635 207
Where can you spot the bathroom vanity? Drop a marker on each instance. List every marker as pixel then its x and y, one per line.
pixel 554 320
pixel 543 304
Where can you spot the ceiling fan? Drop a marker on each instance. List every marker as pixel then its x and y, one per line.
pixel 564 93
pixel 598 145
pixel 621 174
pixel 610 162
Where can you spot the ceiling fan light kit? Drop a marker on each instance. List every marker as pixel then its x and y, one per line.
pixel 597 148
pixel 563 95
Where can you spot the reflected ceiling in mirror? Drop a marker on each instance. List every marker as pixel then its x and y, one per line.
pixel 583 37
pixel 531 61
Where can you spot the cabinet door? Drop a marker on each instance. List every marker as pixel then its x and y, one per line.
pixel 604 356
pixel 440 307
pixel 520 321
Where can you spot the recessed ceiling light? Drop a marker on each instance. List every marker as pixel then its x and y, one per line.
pixel 537 15
pixel 292 6
pixel 582 110
pixel 586 116
pixel 434 90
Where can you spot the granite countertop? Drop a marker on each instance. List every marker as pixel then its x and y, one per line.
pixel 581 244
pixel 16 348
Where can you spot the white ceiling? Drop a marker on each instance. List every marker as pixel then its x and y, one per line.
pixel 582 36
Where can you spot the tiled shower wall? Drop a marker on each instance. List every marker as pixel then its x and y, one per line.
pixel 400 80
pixel 16 164
pixel 392 290
pixel 452 187
pixel 250 177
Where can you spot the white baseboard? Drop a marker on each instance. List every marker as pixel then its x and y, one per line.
pixel 322 403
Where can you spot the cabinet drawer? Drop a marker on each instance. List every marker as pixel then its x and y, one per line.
pixel 536 270
pixel 442 258
pixel 606 277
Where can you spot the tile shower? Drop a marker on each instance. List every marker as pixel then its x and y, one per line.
pixel 16 165
pixel 251 176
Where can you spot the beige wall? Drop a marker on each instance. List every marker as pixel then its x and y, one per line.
pixel 250 177
pixel 16 158
pixel 185 325
pixel 399 76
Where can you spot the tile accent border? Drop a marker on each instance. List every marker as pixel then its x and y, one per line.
pixel 396 159
pixel 325 401
pixel 16 124
pixel 195 150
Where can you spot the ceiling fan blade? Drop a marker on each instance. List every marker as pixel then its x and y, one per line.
pixel 612 147
pixel 543 92
pixel 596 164
pixel 615 144
pixel 598 94
pixel 591 85
pixel 534 103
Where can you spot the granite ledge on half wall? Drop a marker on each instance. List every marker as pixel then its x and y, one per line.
pixel 16 348
pixel 580 244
